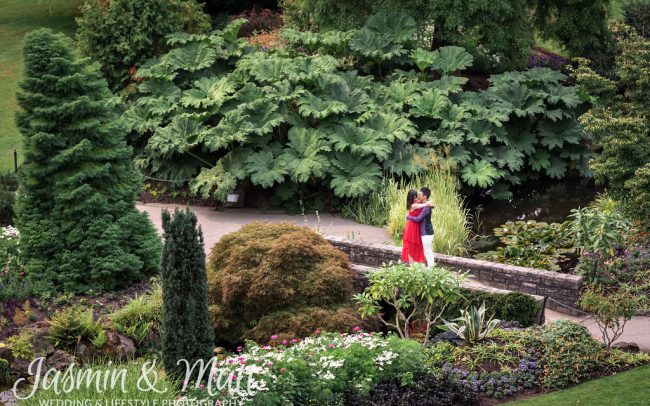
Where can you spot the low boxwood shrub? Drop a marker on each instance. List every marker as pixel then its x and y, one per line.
pixel 519 307
pixel 278 279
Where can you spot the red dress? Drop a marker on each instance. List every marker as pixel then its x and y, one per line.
pixel 412 242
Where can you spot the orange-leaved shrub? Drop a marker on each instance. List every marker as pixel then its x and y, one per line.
pixel 278 279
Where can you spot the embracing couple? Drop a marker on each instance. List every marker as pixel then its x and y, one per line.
pixel 417 240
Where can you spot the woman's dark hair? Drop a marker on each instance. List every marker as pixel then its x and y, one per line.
pixel 410 198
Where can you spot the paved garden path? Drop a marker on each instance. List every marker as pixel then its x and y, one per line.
pixel 216 223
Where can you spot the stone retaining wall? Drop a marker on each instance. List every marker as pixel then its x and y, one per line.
pixel 562 290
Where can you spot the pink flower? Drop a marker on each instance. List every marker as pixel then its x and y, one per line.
pixel 294 340
pixel 331 345
pixel 268 364
pixel 274 337
pixel 201 386
pixel 317 331
pixel 234 377
pixel 356 328
pixel 266 347
pixel 284 342
pixel 240 348
pixel 242 363
pixel 283 369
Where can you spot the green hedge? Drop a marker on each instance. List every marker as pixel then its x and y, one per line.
pixel 518 307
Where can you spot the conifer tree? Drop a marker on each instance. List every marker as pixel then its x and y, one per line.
pixel 75 207
pixel 187 332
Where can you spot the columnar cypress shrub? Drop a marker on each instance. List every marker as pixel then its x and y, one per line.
pixel 75 207
pixel 187 332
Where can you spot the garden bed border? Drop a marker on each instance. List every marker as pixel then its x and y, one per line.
pixel 563 290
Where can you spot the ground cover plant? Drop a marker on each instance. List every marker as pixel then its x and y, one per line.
pixel 225 114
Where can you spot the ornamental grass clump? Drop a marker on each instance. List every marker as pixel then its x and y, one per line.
pixel 278 278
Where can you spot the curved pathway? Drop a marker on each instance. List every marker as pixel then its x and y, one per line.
pixel 217 223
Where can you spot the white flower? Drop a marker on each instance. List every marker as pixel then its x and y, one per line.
pixel 9 232
pixel 386 358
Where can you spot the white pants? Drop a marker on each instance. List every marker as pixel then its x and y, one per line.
pixel 427 241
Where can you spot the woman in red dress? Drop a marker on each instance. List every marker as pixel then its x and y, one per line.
pixel 412 248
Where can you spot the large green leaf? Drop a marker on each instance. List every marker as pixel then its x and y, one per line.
pixel 233 127
pixel 450 59
pixel 376 47
pixel 406 159
pixel 209 91
pixel 479 131
pixel 557 168
pixel 520 99
pixel 554 134
pixel 353 176
pixel 305 155
pixel 393 126
pixel 539 160
pixel 265 170
pixel 480 173
pixel 508 156
pixel 361 141
pixel 319 108
pixel 396 25
pixel 422 58
pixel 431 103
pixel 178 137
pixel 160 88
pixel 263 115
pixel 191 57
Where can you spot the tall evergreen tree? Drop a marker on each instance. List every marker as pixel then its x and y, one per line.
pixel 188 333
pixel 75 208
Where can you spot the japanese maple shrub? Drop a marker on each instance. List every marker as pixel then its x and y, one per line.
pixel 75 207
pixel 187 334
pixel 278 279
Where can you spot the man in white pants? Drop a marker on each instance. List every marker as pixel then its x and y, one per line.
pixel 426 228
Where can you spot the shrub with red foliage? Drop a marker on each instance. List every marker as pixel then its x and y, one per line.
pixel 263 20
pixel 279 279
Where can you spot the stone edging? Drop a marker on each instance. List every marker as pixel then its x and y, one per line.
pixel 562 288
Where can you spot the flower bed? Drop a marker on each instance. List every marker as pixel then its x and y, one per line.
pixel 360 368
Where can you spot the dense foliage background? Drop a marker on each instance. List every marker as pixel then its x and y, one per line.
pixel 339 109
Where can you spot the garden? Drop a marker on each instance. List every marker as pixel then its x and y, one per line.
pixel 528 122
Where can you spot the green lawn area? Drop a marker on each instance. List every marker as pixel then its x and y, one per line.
pixel 629 388
pixel 18 17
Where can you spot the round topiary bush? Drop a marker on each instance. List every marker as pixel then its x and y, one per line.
pixel 278 279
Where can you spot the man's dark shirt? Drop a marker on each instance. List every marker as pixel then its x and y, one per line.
pixel 424 219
